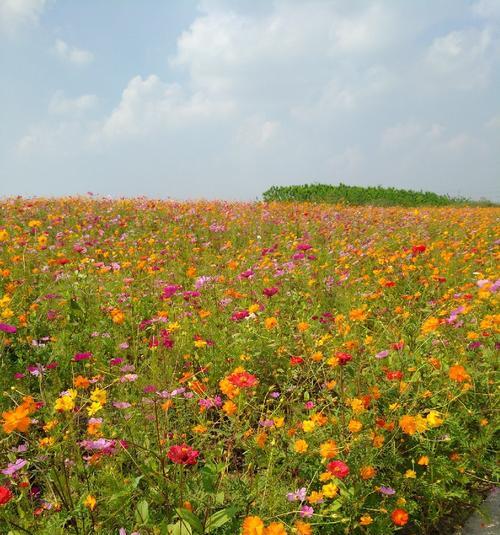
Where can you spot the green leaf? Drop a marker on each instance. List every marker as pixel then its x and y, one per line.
pixel 180 528
pixel 209 477
pixel 219 518
pixel 190 518
pixel 142 512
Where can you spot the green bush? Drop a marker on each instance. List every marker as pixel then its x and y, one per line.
pixel 360 195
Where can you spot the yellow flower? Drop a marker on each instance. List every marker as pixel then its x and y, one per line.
pixel 90 502
pixel 410 474
pixel 433 419
pixel 94 407
pixel 99 395
pixel 330 490
pixel 66 402
pixel 308 426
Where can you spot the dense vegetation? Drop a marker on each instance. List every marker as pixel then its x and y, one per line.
pixel 265 369
pixel 360 195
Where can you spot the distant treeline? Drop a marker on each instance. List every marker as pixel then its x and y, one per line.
pixel 359 195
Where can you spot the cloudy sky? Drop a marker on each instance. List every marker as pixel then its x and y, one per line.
pixel 224 98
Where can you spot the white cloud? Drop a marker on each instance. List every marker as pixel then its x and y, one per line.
pixel 493 122
pixel 61 105
pixel 14 14
pixel 257 132
pixel 488 9
pixel 462 59
pixel 410 132
pixel 72 54
pixel 149 105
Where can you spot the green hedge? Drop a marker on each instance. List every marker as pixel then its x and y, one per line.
pixel 360 195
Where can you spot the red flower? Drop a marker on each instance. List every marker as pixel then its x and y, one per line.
pixel 243 379
pixel 294 361
pixel 183 454
pixel 394 375
pixel 416 249
pixel 338 469
pixel 400 517
pixel 5 495
pixel 343 358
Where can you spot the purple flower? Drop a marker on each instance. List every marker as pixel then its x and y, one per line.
pixel 382 354
pixel 12 468
pixel 266 423
pixel 388 491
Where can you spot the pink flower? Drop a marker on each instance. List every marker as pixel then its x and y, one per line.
pixel 12 468
pixel 6 328
pixel 306 511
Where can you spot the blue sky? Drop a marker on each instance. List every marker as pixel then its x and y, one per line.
pixel 224 98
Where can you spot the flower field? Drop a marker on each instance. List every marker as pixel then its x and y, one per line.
pixel 244 368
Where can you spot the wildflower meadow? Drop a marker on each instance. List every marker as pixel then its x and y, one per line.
pixel 256 368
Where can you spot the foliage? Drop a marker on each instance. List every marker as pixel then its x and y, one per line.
pixel 224 368
pixel 361 195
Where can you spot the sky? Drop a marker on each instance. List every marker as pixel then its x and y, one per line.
pixel 192 99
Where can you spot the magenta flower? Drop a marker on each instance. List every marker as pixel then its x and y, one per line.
pixel 6 328
pixel 82 356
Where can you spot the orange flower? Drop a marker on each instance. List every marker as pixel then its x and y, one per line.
pixel 270 323
pixel 367 472
pixel 300 446
pixel 408 424
pixel 117 316
pixel 355 426
pixel 457 373
pixel 229 408
pixel 365 520
pixel 400 517
pixel 329 449
pixel 81 382
pixel 275 528
pixel 18 419
pixel 252 525
pixel 303 528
